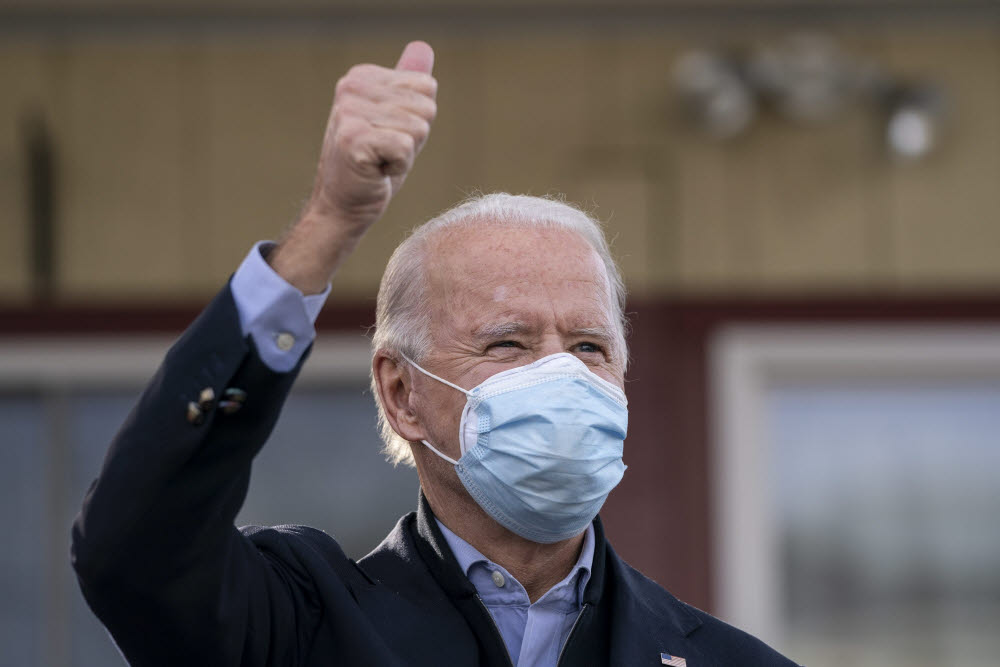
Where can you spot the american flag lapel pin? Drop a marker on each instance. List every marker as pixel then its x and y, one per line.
pixel 668 659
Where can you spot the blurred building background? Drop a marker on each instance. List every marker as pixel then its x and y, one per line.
pixel 815 279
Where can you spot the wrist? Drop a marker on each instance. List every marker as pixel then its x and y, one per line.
pixel 312 251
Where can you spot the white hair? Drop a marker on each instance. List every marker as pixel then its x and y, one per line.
pixel 402 315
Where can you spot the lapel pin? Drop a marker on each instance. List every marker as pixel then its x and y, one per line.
pixel 667 659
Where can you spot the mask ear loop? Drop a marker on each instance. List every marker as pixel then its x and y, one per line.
pixel 431 375
pixel 435 450
pixel 443 381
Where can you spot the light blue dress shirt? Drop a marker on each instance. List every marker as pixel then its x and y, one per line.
pixel 276 315
pixel 281 322
pixel 534 633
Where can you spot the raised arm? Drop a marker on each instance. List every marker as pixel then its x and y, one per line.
pixel 154 546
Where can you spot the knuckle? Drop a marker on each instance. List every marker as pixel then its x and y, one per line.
pixel 361 71
pixel 424 83
pixel 422 130
pixel 358 155
pixel 407 144
pixel 343 115
pixel 431 111
pixel 399 147
pixel 357 78
pixel 349 134
pixel 345 85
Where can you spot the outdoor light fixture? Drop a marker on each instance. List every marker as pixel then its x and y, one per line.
pixel 807 79
pixel 914 120
pixel 715 92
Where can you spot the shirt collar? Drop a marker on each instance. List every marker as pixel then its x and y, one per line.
pixel 468 556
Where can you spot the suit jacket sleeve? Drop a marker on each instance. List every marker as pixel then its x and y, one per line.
pixel 154 546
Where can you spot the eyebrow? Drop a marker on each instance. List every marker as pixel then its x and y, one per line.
pixel 500 329
pixel 604 333
pixel 494 330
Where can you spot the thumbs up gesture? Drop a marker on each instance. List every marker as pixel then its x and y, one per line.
pixel 379 121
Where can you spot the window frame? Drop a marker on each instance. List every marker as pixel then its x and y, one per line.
pixel 745 360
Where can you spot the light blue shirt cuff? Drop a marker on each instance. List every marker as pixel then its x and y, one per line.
pixel 275 314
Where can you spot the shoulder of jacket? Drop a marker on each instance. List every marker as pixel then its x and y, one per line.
pixel 728 638
pixel 306 550
pixel 654 600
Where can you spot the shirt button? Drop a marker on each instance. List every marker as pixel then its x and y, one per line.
pixel 284 341
pixel 498 579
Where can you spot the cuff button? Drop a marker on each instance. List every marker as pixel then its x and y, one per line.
pixel 284 341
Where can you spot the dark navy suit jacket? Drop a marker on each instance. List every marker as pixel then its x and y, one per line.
pixel 161 564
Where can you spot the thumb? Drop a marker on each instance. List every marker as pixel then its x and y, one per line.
pixel 417 57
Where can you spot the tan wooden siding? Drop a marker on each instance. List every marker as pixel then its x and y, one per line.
pixel 176 154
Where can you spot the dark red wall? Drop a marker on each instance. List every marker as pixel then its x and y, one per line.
pixel 660 517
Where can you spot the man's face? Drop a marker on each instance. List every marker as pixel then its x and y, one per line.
pixel 502 298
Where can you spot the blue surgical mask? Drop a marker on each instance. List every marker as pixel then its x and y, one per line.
pixel 541 446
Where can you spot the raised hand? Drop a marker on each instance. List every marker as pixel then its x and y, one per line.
pixel 379 122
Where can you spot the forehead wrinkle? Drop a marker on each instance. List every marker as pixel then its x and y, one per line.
pixel 471 290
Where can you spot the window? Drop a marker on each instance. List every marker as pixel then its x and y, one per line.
pixel 857 492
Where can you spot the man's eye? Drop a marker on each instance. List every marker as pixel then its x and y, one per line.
pixel 589 348
pixel 506 343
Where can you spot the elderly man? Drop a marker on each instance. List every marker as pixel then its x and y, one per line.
pixel 498 367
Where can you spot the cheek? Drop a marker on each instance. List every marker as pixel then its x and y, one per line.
pixel 611 375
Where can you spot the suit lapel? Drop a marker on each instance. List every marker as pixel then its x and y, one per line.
pixel 439 559
pixel 627 619
pixel 645 619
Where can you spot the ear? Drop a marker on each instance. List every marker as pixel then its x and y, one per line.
pixel 393 381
